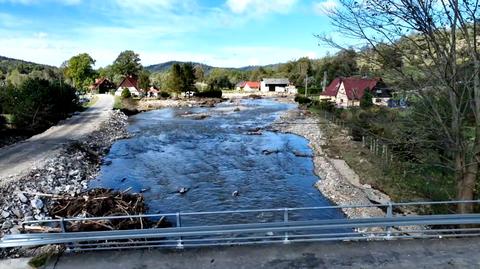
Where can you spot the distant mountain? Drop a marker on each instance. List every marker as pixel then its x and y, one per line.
pixel 8 64
pixel 163 67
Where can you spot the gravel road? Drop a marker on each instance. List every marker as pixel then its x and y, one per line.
pixel 17 159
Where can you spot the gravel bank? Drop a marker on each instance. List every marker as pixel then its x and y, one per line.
pixel 334 184
pixel 27 198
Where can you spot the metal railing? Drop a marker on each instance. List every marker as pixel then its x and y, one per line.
pixel 285 225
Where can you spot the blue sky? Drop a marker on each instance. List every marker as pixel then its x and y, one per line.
pixel 225 33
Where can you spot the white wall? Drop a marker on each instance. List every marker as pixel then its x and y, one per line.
pixel 132 90
pixel 248 89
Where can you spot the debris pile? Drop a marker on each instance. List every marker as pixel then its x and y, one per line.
pixel 66 173
pixel 99 203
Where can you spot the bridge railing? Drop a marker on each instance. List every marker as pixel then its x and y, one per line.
pixel 188 231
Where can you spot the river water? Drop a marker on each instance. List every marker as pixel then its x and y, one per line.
pixel 213 158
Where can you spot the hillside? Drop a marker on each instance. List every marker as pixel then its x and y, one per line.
pixel 25 67
pixel 162 67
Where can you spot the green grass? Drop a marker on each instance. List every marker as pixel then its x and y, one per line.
pixel 401 181
pixel 118 104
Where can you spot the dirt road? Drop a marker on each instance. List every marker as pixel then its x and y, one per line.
pixel 19 158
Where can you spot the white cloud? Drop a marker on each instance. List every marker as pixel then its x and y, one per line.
pixel 322 8
pixel 260 6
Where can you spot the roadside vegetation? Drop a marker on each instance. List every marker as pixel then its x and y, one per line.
pixel 434 64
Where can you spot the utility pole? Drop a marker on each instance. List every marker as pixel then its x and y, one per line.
pixel 306 86
pixel 324 80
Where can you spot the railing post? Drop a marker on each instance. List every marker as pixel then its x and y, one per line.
pixel 64 230
pixel 285 221
pixel 179 224
pixel 389 215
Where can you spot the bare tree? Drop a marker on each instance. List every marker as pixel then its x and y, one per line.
pixel 440 39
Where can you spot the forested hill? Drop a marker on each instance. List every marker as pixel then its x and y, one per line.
pixel 25 67
pixel 163 67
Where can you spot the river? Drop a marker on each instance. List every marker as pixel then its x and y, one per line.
pixel 222 161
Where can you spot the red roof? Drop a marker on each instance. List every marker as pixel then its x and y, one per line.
pixel 129 82
pixel 354 87
pixel 241 84
pixel 253 84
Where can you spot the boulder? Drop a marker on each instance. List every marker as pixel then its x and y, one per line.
pixel 37 203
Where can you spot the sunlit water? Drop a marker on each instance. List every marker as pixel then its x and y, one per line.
pixel 213 158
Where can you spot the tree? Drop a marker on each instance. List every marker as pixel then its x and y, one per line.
pixel 16 78
pixel 80 68
pixel 126 93
pixel 176 78
pixel 367 99
pixel 127 64
pixel 435 39
pixel 199 73
pixel 38 103
pixel 144 80
pixel 188 77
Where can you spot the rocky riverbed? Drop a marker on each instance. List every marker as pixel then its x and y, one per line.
pixel 337 187
pixel 68 173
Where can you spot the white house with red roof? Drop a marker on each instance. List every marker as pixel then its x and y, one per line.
pixel 347 92
pixel 129 83
pixel 251 86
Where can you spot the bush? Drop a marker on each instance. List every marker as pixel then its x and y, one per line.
pixel 326 105
pixel 126 93
pixel 209 94
pixel 302 99
pixel 37 104
pixel 164 94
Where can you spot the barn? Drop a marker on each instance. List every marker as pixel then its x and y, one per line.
pixel 274 84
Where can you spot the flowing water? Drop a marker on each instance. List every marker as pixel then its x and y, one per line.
pixel 214 159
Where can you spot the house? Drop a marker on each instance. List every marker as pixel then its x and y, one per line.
pixel 274 84
pixel 347 92
pixel 239 86
pixel 251 86
pixel 152 92
pixel 129 83
pixel 101 85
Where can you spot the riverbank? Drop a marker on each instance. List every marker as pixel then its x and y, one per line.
pixel 67 173
pixel 339 183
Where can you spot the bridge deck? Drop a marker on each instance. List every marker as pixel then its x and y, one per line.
pixel 433 253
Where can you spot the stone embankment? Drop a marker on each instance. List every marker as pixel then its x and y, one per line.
pixel 338 182
pixel 67 173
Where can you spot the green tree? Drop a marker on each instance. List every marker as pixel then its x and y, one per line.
pixel 188 77
pixel 37 104
pixel 80 68
pixel 126 93
pixel 127 64
pixel 176 78
pixel 367 99
pixel 199 73
pixel 16 78
pixel 144 80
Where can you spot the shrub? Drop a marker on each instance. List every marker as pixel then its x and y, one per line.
pixel 164 94
pixel 209 94
pixel 326 105
pixel 367 99
pixel 37 103
pixel 126 93
pixel 302 99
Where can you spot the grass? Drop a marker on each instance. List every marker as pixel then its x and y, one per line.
pixel 401 181
pixel 117 104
